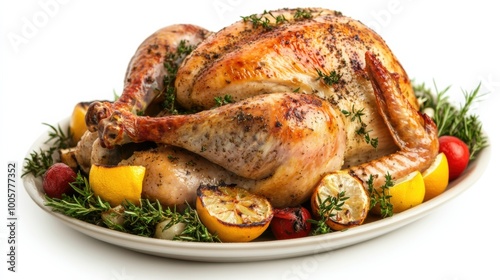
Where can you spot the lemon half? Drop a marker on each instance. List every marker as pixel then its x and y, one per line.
pixel 77 125
pixel 407 192
pixel 233 213
pixel 115 184
pixel 354 209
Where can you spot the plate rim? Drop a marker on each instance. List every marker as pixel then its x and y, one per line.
pixel 260 250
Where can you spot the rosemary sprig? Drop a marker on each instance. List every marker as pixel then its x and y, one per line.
pixel 59 138
pixel 140 220
pixel 38 162
pixel 381 197
pixel 195 230
pixel 328 208
pixel 82 204
pixel 453 120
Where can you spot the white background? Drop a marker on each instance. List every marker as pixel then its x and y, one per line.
pixel 54 54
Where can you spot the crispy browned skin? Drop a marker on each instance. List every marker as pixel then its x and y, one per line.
pixel 242 60
pixel 414 133
pixel 145 72
pixel 275 142
pixel 276 145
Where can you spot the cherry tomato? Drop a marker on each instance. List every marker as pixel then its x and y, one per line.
pixel 57 179
pixel 457 154
pixel 292 222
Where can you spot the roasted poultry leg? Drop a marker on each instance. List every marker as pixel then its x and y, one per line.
pixel 146 71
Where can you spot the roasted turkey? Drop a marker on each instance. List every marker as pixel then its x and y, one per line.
pixel 314 91
pixel 243 60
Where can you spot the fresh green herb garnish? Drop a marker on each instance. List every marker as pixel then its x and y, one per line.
pixel 267 24
pixel 223 100
pixel 59 138
pixel 355 115
pixel 366 135
pixel 280 19
pixel 82 204
pixel 263 21
pixel 171 64
pixel 327 209
pixel 40 161
pixel 303 14
pixel 452 120
pixel 381 197
pixel 141 219
pixel 195 230
pixel 330 79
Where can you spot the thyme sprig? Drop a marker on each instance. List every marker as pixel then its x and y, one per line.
pixel 332 78
pixel 59 138
pixel 223 100
pixel 264 21
pixel 303 14
pixel 355 115
pixel 381 196
pixel 454 120
pixel 171 64
pixel 267 20
pixel 327 209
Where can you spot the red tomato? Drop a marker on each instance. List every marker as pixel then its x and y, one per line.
pixel 457 154
pixel 57 179
pixel 291 223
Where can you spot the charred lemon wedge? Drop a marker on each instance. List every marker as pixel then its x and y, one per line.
pixel 232 213
pixel 349 196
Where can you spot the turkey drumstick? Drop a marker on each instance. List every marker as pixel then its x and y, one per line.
pixel 251 138
pixel 146 71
